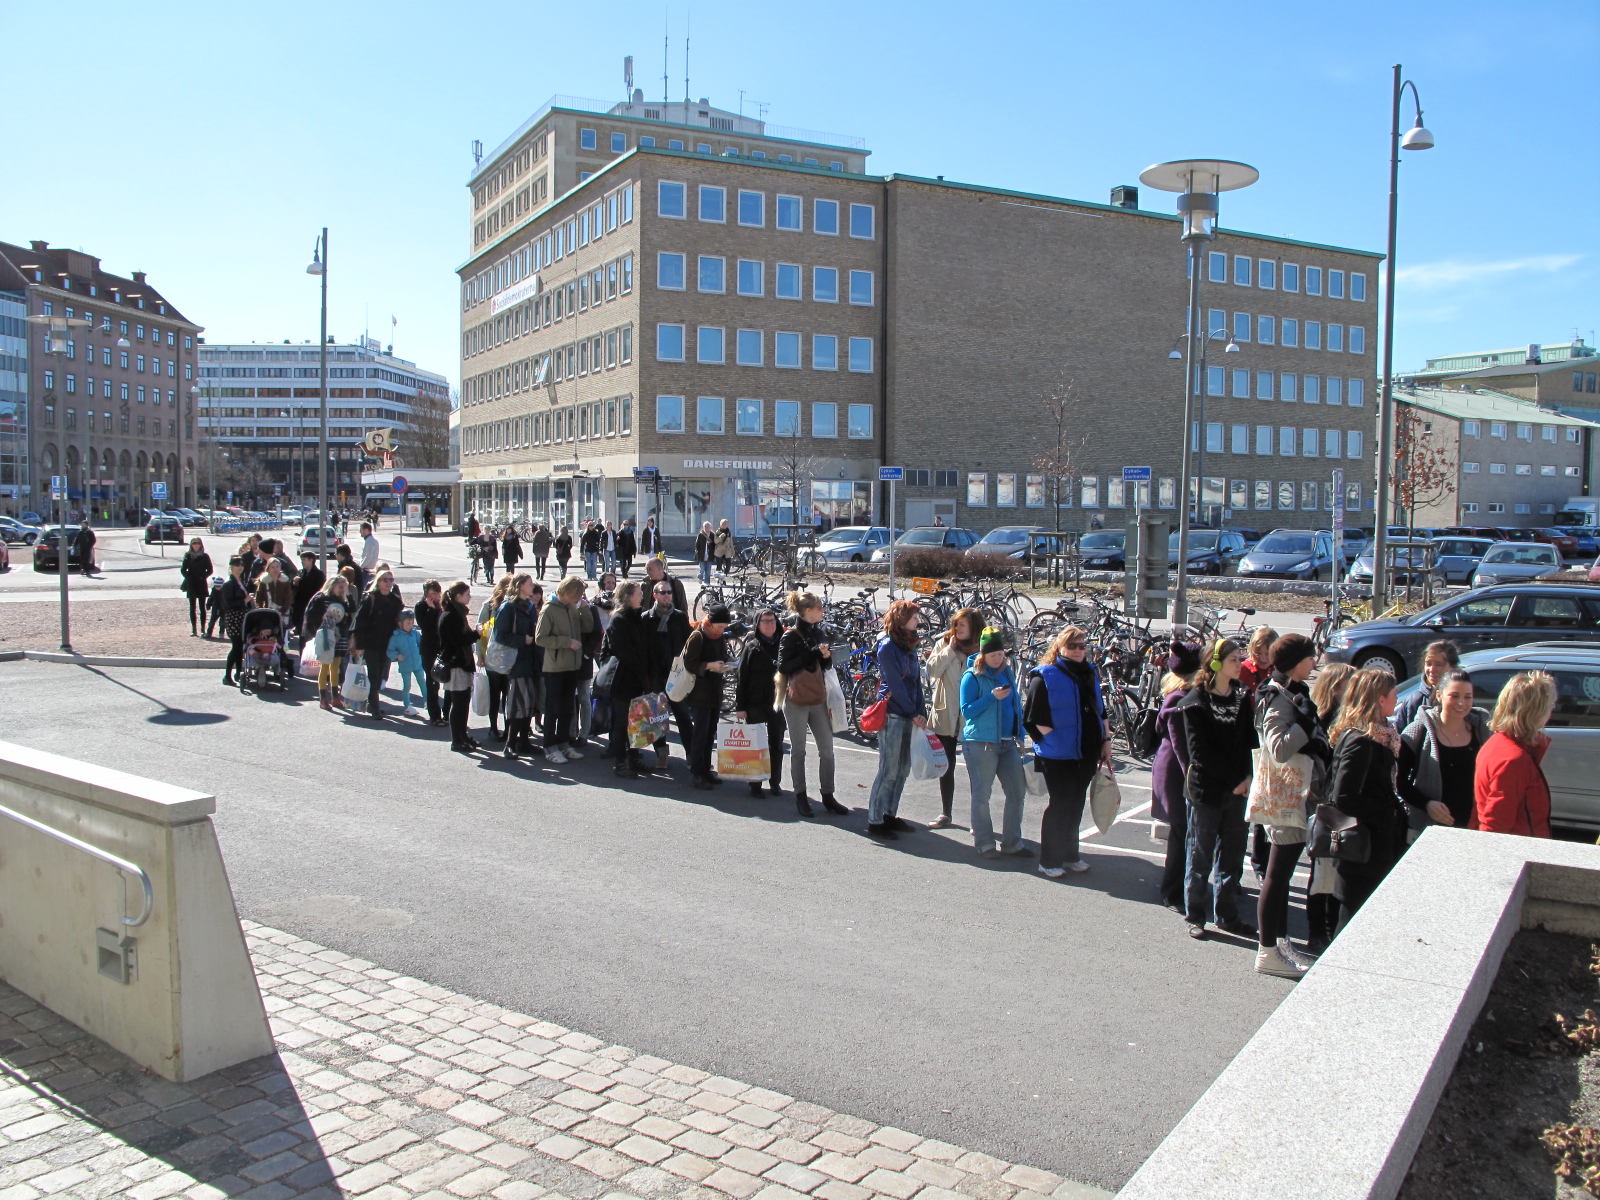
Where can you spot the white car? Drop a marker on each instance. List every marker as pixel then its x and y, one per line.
pixel 319 539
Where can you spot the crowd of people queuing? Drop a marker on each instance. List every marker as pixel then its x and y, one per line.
pixel 604 546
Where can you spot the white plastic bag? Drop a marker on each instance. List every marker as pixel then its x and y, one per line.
pixel 838 710
pixel 480 694
pixel 927 755
pixel 680 681
pixel 742 751
pixel 1037 788
pixel 357 687
pixel 1105 799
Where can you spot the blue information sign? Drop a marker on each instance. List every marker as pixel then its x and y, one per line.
pixel 891 474
pixel 1135 474
pixel 158 491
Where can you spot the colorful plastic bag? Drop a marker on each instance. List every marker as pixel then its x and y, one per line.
pixel 648 719
pixel 928 760
pixel 742 751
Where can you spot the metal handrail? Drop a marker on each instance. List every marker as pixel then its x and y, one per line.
pixel 121 864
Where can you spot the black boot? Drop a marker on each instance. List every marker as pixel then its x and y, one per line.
pixel 832 805
pixel 755 789
pixel 803 805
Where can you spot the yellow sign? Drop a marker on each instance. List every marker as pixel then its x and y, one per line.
pixel 924 587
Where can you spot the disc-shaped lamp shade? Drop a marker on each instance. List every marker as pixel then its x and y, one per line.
pixel 315 268
pixel 1199 175
pixel 1417 138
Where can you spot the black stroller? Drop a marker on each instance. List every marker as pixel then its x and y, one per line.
pixel 263 650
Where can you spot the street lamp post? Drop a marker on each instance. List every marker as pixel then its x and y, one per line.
pixel 319 267
pixel 1198 182
pixel 1202 385
pixel 1416 138
pixel 56 343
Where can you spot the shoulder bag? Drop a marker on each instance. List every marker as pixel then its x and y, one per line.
pixel 1335 834
pixel 499 657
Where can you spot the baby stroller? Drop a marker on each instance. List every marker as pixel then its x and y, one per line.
pixel 263 650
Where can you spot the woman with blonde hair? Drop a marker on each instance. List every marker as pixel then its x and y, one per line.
pixel 1366 751
pixel 1167 769
pixel 1510 790
pixel 1065 714
pixel 946 664
pixel 804 653
pixel 899 682
pixel 504 589
pixel 1327 691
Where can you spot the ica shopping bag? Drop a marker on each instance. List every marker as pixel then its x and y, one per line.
pixel 742 751
pixel 927 755
pixel 838 710
pixel 1278 791
pixel 648 716
pixel 1105 799
pixel 358 686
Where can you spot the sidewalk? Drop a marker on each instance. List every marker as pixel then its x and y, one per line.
pixel 385 1087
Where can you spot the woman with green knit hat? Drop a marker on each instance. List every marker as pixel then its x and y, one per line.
pixel 991 745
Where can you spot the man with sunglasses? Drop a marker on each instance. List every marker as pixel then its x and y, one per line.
pixel 666 629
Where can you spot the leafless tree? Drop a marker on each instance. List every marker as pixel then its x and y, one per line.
pixel 795 470
pixel 425 443
pixel 1068 438
pixel 1423 471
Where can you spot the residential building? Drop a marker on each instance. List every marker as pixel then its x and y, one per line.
pixel 733 323
pixel 1508 461
pixel 113 410
pixel 261 410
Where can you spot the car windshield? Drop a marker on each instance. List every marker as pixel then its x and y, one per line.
pixel 1102 541
pixel 1199 539
pixel 1531 556
pixel 923 537
pixel 1279 543
pixel 848 534
pixel 1004 537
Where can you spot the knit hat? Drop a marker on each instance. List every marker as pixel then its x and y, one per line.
pixel 719 615
pixel 1184 659
pixel 1289 651
pixel 990 640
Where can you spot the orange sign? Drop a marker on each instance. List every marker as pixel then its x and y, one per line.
pixel 924 587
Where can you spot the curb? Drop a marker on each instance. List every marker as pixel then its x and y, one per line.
pixel 100 660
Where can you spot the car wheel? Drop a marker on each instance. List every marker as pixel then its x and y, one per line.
pixel 1382 658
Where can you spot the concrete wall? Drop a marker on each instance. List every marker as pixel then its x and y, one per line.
pixel 192 1005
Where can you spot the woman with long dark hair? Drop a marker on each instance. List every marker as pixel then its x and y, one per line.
pixel 628 642
pixel 1366 749
pixel 755 694
pixel 457 638
pixel 234 601
pixel 899 682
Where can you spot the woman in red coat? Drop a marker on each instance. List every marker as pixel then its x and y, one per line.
pixel 1510 790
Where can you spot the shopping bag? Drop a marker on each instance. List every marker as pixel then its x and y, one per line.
pixel 600 716
pixel 1278 791
pixel 838 710
pixel 500 658
pixel 874 716
pixel 928 760
pixel 480 694
pixel 604 676
pixel 357 687
pixel 680 681
pixel 1105 799
pixel 742 751
pixel 648 718
pixel 1037 788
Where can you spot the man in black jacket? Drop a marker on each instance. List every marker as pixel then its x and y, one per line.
pixel 650 539
pixel 375 624
pixel 655 571
pixel 627 547
pixel 666 629
pixel 428 611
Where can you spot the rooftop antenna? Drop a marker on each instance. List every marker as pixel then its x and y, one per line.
pixel 666 52
pixel 477 152
pixel 741 102
pixel 627 77
pixel 688 25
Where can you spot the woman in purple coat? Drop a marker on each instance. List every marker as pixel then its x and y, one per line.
pixel 1167 802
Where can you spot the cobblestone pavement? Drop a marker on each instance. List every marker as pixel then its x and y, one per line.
pixel 388 1088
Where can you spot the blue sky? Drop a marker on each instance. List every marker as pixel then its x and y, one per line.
pixel 207 143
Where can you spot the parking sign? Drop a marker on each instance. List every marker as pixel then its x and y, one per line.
pixel 58 487
pixel 158 491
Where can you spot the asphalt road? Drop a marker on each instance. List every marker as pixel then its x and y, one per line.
pixel 1067 1025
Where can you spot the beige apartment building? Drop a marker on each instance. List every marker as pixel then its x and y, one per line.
pixel 729 316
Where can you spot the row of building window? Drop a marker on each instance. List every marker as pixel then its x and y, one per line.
pixel 1289 331
pixel 603 217
pixel 1471 506
pixel 128 425
pixel 1498 429
pixel 1583 381
pixel 1287 386
pixel 749 417
pixel 750 210
pixel 749 348
pixel 576 423
pixel 105 360
pixel 602 352
pixel 1286 277
pixel 105 319
pixel 1239 494
pixel 589 139
pixel 531 152
pixel 750 279
pixel 71 384
pixel 1286 440
pixel 605 283
pixel 1472 468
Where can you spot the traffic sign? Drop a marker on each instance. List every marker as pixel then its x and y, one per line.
pixel 58 487
pixel 646 472
pixel 891 474
pixel 1135 474
pixel 158 491
pixel 399 485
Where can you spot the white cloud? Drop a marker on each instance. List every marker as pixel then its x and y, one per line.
pixel 1451 272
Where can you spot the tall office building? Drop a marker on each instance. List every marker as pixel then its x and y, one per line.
pixel 685 295
pixel 113 408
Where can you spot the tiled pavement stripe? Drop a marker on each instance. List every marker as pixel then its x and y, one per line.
pixel 389 1088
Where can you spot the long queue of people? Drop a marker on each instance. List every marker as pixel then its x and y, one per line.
pixel 1255 754
pixel 602 545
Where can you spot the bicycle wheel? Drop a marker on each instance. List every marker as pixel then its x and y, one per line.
pixel 707 599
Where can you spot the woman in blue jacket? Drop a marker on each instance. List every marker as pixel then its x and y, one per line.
pixel 991 735
pixel 900 682
pixel 1065 714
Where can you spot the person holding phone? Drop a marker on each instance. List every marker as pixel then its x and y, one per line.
pixel 991 745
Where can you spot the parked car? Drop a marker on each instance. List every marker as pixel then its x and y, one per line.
pixel 1402 557
pixel 1290 554
pixel 46 551
pixel 1355 542
pixel 1102 550
pixel 319 537
pixel 1456 558
pixel 1250 536
pixel 927 537
pixel 1507 562
pixel 1572 764
pixel 1488 618
pixel 1563 540
pixel 163 528
pixel 31 518
pixel 1211 551
pixel 1010 540
pixel 13 530
pixel 848 543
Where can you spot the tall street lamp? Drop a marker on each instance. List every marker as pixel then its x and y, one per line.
pixel 56 343
pixel 1416 138
pixel 1199 182
pixel 319 266
pixel 1202 386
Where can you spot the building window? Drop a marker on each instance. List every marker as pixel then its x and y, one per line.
pixel 1217 269
pixel 861 355
pixel 1239 439
pixel 1313 335
pixel 790 209
pixel 1241 327
pixel 1266 273
pixel 862 220
pixel 587 139
pixel 669 272
pixel 713 203
pixel 1354 394
pixel 1241 270
pixel 1524 508
pixel 825 420
pixel 1358 339
pixel 860 287
pixel 1005 490
pixel 712 272
pixel 824 352
pixel 1336 338
pixel 708 414
pixel 825 285
pixel 1524 468
pixel 788 282
pixel 1310 388
pixel 1216 381
pixel 786 350
pixel 1033 491
pixel 1547 470
pixel 825 217
pixel 1497 429
pixel 1241 383
pixel 669 343
pixel 1358 287
pixel 1289 332
pixel 1572 433
pixel 1089 491
pixel 1214 437
pixel 1336 286
pixel 1291 277
pixel 978 489
pixel 1469 468
pixel 1547 432
pixel 786 418
pixel 747 417
pixel 859 418
pixel 1265 330
pixel 1313 281
pixel 627 344
pixel 1525 433
pixel 669 414
pixel 619 143
pixel 1286 441
pixel 1330 443
pixel 1571 472
pixel 753 208
pixel 747 347
pixel 670 200
pixel 752 272
pixel 1264 385
pixel 708 344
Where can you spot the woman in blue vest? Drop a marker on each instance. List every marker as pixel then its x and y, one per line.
pixel 991 736
pixel 900 682
pixel 1065 714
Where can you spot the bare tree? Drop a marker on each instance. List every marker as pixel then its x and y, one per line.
pixel 1423 471
pixel 795 470
pixel 425 442
pixel 1063 454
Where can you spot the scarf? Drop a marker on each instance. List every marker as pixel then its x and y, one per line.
pixel 662 615
pixel 906 641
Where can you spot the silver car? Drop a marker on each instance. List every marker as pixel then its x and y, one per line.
pixel 1513 562
pixel 1572 764
pixel 1290 554
pixel 848 543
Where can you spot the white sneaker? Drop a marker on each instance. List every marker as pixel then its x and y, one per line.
pixel 1270 961
pixel 1052 872
pixel 553 755
pixel 409 711
pixel 1295 955
pixel 1078 867
pixel 571 751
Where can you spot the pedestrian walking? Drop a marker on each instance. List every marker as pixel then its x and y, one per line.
pixel 705 544
pixel 562 625
pixel 591 544
pixel 1322 901
pixel 1064 712
pixel 541 547
pixel 563 549
pixel 705 656
pixel 1219 724
pixel 307 585
pixel 83 544
pixel 457 638
pixel 1513 795
pixel 514 624
pixel 488 552
pixel 405 652
pixel 1437 659
pixel 1290 737
pixel 900 683
pixel 804 654
pixel 427 613
pixel 627 643
pixel 627 547
pixel 234 602
pixel 1439 757
pixel 991 739
pixel 196 571
pixel 655 571
pixel 650 539
pixel 472 526
pixel 666 628
pixel 328 618
pixel 724 549
pixel 499 681
pixel 1167 769
pixel 369 549
pixel 755 698
pixel 427 517
pixel 377 617
pixel 947 663
pixel 609 547
pixel 1366 749
pixel 510 548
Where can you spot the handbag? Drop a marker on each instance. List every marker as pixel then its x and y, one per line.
pixel 1033 774
pixel 874 716
pixel 1278 791
pixel 500 658
pixel 480 695
pixel 604 677
pixel 1335 834
pixel 1105 799
pixel 441 670
pixel 680 681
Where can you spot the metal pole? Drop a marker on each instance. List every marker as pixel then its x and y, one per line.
pixel 891 541
pixel 63 558
pixel 1380 531
pixel 1191 360
pixel 322 449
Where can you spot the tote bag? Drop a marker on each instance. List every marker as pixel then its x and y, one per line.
pixel 500 658
pixel 1105 799
pixel 927 755
pixel 480 694
pixel 648 718
pixel 358 687
pixel 680 681
pixel 1278 791
pixel 838 710
pixel 1037 787
pixel 742 751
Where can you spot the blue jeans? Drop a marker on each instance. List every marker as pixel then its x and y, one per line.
pixel 591 560
pixel 705 572
pixel 894 766
pixel 1215 861
pixel 984 761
